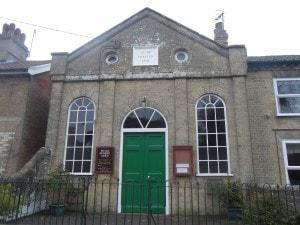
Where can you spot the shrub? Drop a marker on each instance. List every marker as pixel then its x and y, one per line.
pixel 8 199
pixel 268 210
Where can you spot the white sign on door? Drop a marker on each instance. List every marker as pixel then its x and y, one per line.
pixel 145 56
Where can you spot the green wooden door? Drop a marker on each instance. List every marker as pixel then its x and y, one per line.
pixel 143 179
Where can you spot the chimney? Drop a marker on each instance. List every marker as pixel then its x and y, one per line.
pixel 221 35
pixel 12 47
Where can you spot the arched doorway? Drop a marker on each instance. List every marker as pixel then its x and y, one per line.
pixel 143 162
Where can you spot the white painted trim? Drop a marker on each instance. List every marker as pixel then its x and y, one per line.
pixel 66 138
pixel 214 175
pixel 283 95
pixel 285 159
pixel 143 130
pixel 33 70
pixel 227 139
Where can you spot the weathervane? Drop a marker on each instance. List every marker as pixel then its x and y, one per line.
pixel 220 16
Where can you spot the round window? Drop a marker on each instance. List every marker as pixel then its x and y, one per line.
pixel 181 56
pixel 111 58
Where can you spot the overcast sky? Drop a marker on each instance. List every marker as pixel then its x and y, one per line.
pixel 266 27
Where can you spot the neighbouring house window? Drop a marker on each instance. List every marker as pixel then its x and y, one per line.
pixel 287 92
pixel 79 139
pixel 291 154
pixel 211 136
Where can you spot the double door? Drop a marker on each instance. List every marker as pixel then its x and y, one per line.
pixel 143 173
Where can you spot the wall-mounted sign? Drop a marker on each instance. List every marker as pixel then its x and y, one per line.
pixel 183 160
pixel 145 56
pixel 104 160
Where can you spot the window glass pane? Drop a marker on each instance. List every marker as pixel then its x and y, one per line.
pixel 201 114
pixel 78 153
pixel 144 115
pixel 294 176
pixel 88 140
pixel 89 128
pixel 79 102
pixel 222 139
pixel 77 166
pixel 213 153
pixel 202 140
pixel 70 153
pixel 79 140
pixel 157 121
pixel 288 87
pixel 213 99
pixel 200 104
pixel 202 127
pixel 73 116
pixel 131 121
pixel 71 140
pixel 74 106
pixel 221 126
pixel 222 153
pixel 213 167
pixel 86 167
pixel 202 153
pixel 203 167
pixel 220 113
pixel 87 153
pixel 90 106
pixel 86 101
pixel 205 99
pixel 211 127
pixel 289 105
pixel 212 140
pixel 72 128
pixel 80 128
pixel 81 116
pixel 69 166
pixel 90 116
pixel 293 154
pixel 210 113
pixel 219 103
pixel 223 167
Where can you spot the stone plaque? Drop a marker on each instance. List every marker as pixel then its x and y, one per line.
pixel 104 160
pixel 145 56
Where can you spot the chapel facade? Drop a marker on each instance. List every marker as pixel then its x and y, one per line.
pixel 168 103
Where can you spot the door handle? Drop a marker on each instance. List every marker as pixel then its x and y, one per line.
pixel 148 177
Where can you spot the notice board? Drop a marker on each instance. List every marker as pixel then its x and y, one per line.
pixel 183 160
pixel 104 160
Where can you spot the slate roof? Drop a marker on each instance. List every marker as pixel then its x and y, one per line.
pixel 274 58
pixel 256 63
pixel 21 65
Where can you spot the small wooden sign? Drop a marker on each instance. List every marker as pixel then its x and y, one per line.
pixel 104 160
pixel 182 161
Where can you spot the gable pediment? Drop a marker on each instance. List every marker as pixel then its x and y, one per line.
pixel 150 30
pixel 158 18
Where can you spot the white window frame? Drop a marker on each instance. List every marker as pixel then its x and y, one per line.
pixel 227 141
pixel 67 134
pixel 285 158
pixel 283 95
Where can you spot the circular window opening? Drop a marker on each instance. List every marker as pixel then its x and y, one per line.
pixel 181 56
pixel 111 59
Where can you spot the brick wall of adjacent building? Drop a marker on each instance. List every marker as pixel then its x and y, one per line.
pixel 36 117
pixel 23 118
pixel 13 98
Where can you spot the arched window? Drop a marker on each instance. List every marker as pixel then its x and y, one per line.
pixel 144 118
pixel 211 136
pixel 79 139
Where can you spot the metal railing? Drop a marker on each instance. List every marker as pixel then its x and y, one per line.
pixel 89 200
